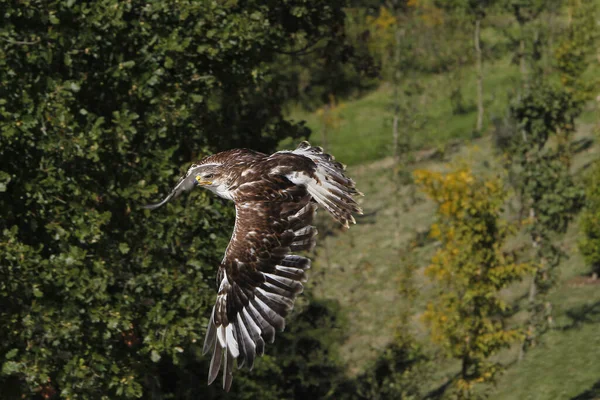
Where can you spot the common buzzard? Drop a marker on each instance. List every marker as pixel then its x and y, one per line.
pixel 276 197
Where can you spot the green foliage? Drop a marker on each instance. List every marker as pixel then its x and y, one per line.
pixel 340 66
pixel 418 37
pixel 547 112
pixel 400 372
pixel 305 363
pixel 530 37
pixel 471 269
pixel 526 11
pixel 577 46
pixel 572 57
pixel 102 105
pixel 589 244
pixel 473 8
pixel 302 363
pixel 547 189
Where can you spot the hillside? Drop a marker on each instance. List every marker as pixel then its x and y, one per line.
pixel 360 268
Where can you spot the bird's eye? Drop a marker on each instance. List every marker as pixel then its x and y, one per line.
pixel 209 176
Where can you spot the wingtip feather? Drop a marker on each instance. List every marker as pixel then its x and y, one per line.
pixel 228 372
pixel 215 363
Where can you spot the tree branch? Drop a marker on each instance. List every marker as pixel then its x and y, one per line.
pixel 301 51
pixel 20 42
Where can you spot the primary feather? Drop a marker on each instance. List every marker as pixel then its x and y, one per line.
pixel 276 198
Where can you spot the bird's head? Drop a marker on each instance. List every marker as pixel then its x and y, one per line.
pixel 209 176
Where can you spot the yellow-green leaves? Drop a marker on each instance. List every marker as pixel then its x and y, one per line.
pixel 577 48
pixel 470 268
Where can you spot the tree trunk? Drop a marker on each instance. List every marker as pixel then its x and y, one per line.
pixel 479 75
pixel 531 299
pixel 535 245
pixel 551 33
pixel 522 349
pixel 464 370
pixel 532 290
pixel 396 83
pixel 395 136
pixel 522 60
pixel 532 293
pixel 324 128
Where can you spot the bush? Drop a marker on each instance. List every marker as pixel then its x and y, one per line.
pixel 102 105
pixel 400 372
pixel 589 244
pixel 302 363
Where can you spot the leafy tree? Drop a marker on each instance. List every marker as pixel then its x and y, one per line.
pixel 572 54
pixel 524 11
pixel 589 244
pixel 476 10
pixel 403 368
pixel 388 43
pixel 103 104
pixel 527 39
pixel 339 66
pixel 302 363
pixel 307 359
pixel 539 155
pixel 470 268
pixel 577 46
pixel 407 39
pixel 400 372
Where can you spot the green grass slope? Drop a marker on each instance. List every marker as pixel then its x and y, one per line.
pixel 364 128
pixel 360 268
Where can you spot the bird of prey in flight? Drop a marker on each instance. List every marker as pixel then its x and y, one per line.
pixel 276 197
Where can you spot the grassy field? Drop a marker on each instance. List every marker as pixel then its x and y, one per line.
pixel 364 128
pixel 361 267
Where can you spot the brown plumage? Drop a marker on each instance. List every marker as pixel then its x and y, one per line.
pixel 276 197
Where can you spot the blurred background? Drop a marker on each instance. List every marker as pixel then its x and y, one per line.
pixel 471 127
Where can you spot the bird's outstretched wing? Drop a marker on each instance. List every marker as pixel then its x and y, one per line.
pixel 259 279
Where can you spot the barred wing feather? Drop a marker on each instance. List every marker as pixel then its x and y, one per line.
pixel 258 281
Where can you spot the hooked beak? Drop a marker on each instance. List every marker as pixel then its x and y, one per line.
pixel 200 182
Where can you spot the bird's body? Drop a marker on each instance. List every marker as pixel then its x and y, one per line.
pixel 276 197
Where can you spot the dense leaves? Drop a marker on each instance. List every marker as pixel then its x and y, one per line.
pixel 540 156
pixel 575 49
pixel 102 105
pixel 418 37
pixel 547 112
pixel 589 244
pixel 302 363
pixel 470 268
pixel 401 372
pixel 305 362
